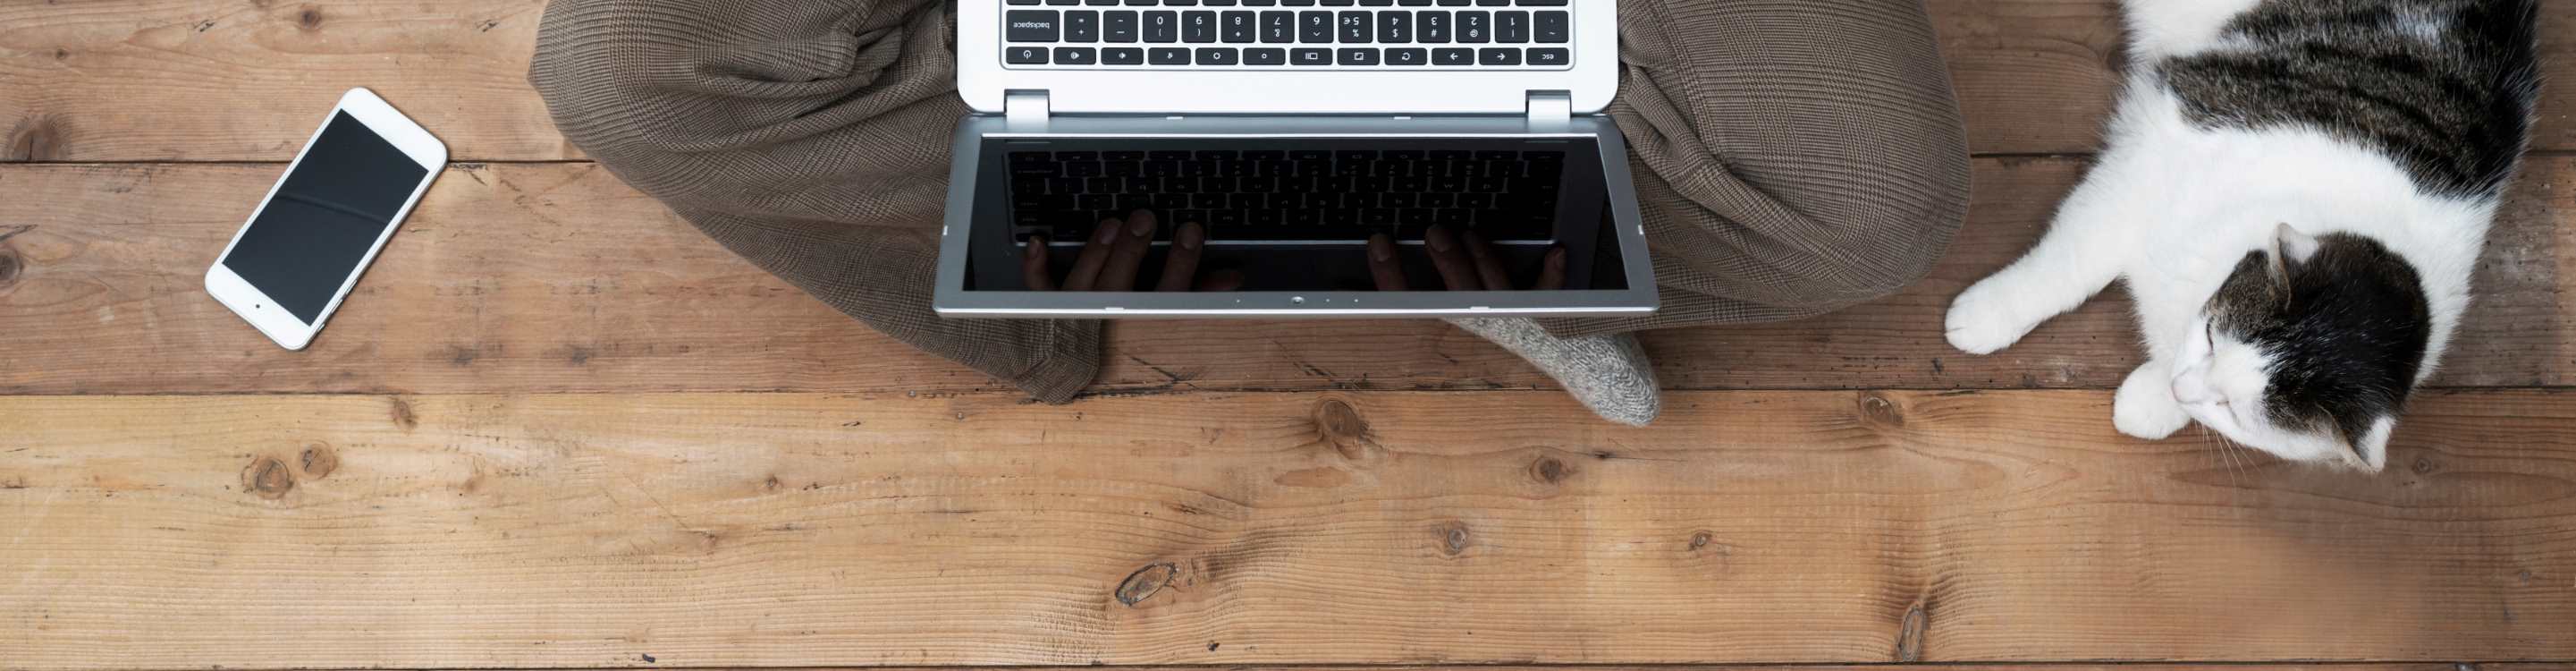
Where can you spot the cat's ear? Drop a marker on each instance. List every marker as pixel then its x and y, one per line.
pixel 2291 247
pixel 2371 448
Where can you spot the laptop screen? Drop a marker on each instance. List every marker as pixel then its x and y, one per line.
pixel 1293 214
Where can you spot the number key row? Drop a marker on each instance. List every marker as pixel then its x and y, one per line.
pixel 1545 57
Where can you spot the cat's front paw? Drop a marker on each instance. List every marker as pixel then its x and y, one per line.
pixel 2145 405
pixel 1984 321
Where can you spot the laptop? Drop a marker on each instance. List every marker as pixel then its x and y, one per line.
pixel 1292 132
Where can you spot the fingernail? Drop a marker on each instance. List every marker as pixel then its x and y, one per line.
pixel 1108 233
pixel 1140 226
pixel 1191 236
pixel 1381 249
pixel 1556 258
pixel 1438 238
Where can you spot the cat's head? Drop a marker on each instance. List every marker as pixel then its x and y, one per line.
pixel 2309 349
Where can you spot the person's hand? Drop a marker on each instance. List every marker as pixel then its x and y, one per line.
pixel 1109 260
pixel 1466 263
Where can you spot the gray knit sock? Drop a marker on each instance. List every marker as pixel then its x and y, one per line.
pixel 1607 373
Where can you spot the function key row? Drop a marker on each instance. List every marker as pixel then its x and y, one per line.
pixel 1342 57
pixel 1085 26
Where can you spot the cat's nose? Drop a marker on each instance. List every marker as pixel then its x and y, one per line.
pixel 2192 388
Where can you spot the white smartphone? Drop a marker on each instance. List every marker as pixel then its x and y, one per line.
pixel 289 267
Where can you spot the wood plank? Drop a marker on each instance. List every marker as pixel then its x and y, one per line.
pixel 132 80
pixel 224 80
pixel 554 277
pixel 710 530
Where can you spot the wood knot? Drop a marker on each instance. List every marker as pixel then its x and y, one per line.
pixel 36 138
pixel 1340 425
pixel 318 460
pixel 10 264
pixel 402 414
pixel 1910 632
pixel 1146 581
pixel 310 18
pixel 268 478
pixel 1453 538
pixel 1700 540
pixel 2422 465
pixel 1877 410
pixel 1549 471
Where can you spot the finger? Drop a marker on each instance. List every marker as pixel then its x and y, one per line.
pixel 1181 266
pixel 1489 264
pixel 1383 265
pixel 1450 257
pixel 1033 265
pixel 1551 273
pixel 1222 280
pixel 1119 274
pixel 1086 267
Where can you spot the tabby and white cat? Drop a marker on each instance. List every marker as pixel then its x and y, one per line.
pixel 2295 192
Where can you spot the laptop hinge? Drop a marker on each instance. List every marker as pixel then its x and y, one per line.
pixel 1550 110
pixel 1025 110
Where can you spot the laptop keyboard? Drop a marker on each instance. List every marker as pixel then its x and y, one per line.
pixel 1290 195
pixel 1255 34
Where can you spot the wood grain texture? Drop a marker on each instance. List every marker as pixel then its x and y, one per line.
pixel 217 80
pixel 555 277
pixel 762 529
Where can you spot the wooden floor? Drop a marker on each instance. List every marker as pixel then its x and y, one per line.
pixel 558 429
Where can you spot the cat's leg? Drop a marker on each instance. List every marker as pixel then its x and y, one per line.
pixel 2083 252
pixel 2145 406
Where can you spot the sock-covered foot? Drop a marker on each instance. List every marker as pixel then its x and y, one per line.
pixel 1607 373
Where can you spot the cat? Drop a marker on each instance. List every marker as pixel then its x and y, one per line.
pixel 2295 193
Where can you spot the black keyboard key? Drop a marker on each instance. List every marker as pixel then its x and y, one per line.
pixel 1265 56
pixel 1119 27
pixel 1033 25
pixel 1162 27
pixel 1361 56
pixel 1169 56
pixel 1395 27
pixel 1278 27
pixel 1122 56
pixel 1024 55
pixel 1431 27
pixel 1555 27
pixel 1408 57
pixel 1511 27
pixel 1239 27
pixel 1542 3
pixel 1355 27
pixel 1082 26
pixel 1315 27
pixel 1198 26
pixel 1498 56
pixel 1311 57
pixel 1453 57
pixel 1551 57
pixel 1075 56
pixel 1475 27
pixel 1216 56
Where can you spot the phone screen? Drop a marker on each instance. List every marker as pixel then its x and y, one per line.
pixel 323 219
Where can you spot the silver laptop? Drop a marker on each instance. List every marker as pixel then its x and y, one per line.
pixel 1292 132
